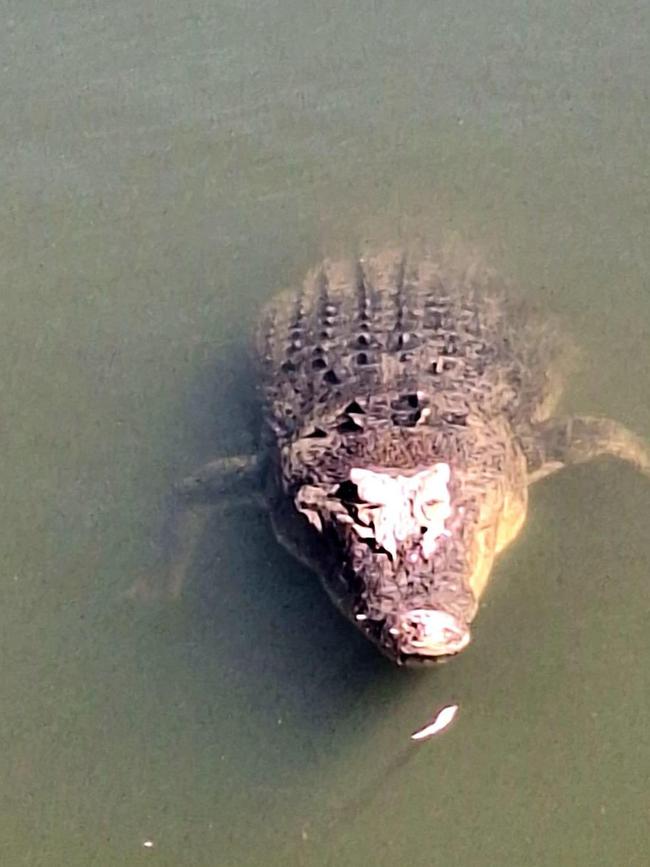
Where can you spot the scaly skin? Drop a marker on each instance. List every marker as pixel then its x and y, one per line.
pixel 396 366
pixel 400 366
pixel 380 379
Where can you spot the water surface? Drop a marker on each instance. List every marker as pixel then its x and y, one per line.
pixel 165 168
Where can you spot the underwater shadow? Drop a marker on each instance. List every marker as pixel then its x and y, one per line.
pixel 314 696
pixel 260 625
pixel 270 618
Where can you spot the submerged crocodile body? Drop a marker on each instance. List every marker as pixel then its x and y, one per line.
pixel 408 406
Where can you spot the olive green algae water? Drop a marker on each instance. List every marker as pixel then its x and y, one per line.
pixel 165 168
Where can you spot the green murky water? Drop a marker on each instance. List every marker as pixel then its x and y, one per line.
pixel 165 167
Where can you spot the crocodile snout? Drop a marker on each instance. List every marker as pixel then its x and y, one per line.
pixel 428 632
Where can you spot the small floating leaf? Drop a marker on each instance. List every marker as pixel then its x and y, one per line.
pixel 441 720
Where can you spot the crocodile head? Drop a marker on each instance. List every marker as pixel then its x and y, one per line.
pixel 399 569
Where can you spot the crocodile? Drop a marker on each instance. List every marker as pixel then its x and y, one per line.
pixel 408 405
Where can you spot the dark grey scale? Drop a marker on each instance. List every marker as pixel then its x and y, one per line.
pixel 407 409
pixel 362 339
pixel 319 360
pixel 365 357
pixel 351 420
pixel 332 378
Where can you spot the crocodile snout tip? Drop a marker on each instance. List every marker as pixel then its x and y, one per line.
pixel 429 632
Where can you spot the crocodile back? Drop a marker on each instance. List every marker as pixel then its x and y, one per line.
pixel 416 342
